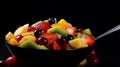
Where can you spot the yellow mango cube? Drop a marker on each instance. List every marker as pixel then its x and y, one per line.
pixel 21 30
pixel 78 43
pixel 9 36
pixel 28 34
pixel 25 38
pixel 13 42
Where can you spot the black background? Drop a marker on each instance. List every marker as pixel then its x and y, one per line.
pixel 99 17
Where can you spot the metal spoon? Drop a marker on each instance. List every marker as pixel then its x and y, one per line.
pixel 116 28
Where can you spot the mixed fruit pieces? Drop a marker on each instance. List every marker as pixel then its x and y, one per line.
pixel 51 34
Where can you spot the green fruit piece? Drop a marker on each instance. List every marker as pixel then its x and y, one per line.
pixel 31 44
pixel 87 31
pixel 58 31
pixel 33 25
pixel 79 35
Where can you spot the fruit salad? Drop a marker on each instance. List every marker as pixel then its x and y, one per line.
pixel 50 34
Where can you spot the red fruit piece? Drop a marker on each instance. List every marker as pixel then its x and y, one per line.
pixel 72 30
pixel 19 37
pixel 89 39
pixel 92 53
pixel 63 44
pixel 50 37
pixel 43 26
pixel 93 61
pixel 56 46
pixel 30 29
pixel 81 30
pixel 42 41
pixel 3 63
pixel 12 61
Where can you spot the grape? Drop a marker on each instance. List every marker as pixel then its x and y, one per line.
pixel 51 20
pixel 37 33
pixel 3 63
pixel 69 37
pixel 12 61
pixel 63 44
pixel 93 59
pixel 92 53
pixel 42 41
pixel 80 30
pixel 19 37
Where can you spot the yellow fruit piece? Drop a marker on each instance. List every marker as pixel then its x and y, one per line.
pixel 78 43
pixel 25 38
pixel 22 29
pixel 64 22
pixel 59 25
pixel 84 62
pixel 27 34
pixel 9 36
pixel 13 42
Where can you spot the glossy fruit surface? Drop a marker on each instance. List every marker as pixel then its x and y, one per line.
pixel 37 33
pixel 93 59
pixel 12 61
pixel 31 29
pixel 42 41
pixel 3 63
pixel 19 37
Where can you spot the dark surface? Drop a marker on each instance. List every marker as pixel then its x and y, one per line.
pixel 99 18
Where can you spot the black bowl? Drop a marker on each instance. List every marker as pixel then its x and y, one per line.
pixel 32 57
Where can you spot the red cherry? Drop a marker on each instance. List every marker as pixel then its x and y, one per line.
pixel 30 29
pixel 92 53
pixel 94 62
pixel 12 61
pixel 19 37
pixel 93 59
pixel 3 63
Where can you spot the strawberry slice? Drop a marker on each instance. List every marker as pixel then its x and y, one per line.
pixel 50 37
pixel 56 46
pixel 43 26
pixel 89 39
pixel 72 30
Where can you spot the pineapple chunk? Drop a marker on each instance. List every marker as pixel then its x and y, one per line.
pixel 13 42
pixel 9 36
pixel 59 25
pixel 84 62
pixel 25 38
pixel 21 30
pixel 78 43
pixel 28 34
pixel 64 22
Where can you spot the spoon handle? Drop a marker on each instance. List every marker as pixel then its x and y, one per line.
pixel 116 28
pixel 8 48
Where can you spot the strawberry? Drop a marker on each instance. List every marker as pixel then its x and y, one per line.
pixel 30 29
pixel 72 30
pixel 50 37
pixel 89 39
pixel 56 46
pixel 43 26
